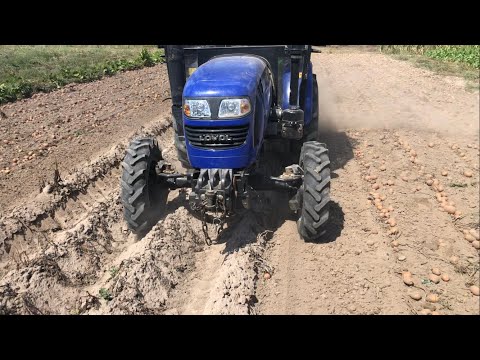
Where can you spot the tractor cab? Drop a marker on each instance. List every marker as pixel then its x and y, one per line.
pixel 287 82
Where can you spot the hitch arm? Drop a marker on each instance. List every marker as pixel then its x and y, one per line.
pixel 175 181
pixel 259 182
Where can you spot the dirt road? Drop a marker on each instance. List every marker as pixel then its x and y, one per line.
pixel 387 125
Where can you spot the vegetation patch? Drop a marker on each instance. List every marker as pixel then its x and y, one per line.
pixel 26 70
pixel 463 60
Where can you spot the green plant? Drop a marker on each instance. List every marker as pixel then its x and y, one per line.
pixel 146 58
pixel 466 54
pixel 105 294
pixel 25 70
pixel 456 60
pixel 79 133
pixel 427 282
pixel 114 271
pixel 458 185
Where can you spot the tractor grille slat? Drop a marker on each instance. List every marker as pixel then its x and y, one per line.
pixel 217 138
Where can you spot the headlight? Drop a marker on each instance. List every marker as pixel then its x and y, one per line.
pixel 196 108
pixel 231 108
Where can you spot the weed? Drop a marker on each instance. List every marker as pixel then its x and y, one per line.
pixel 446 304
pixel 105 294
pixel 427 282
pixel 78 133
pixel 458 185
pixel 114 271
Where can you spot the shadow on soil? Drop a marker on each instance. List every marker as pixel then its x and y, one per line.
pixel 267 224
pixel 340 148
pixel 340 151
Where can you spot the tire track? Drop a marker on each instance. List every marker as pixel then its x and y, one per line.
pixel 68 251
pixel 367 103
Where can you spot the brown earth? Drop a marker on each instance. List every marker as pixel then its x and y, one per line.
pixel 377 110
pixel 71 125
pixel 67 250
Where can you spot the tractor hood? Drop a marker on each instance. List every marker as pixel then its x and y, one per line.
pixel 226 76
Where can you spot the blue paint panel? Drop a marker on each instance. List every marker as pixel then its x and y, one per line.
pixel 309 97
pixel 286 89
pixel 226 76
pixel 309 93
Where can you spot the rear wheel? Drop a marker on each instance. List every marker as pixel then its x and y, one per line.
pixel 143 199
pixel 315 191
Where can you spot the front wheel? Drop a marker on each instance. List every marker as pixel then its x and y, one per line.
pixel 315 191
pixel 143 199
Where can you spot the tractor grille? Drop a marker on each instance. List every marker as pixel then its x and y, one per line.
pixel 216 138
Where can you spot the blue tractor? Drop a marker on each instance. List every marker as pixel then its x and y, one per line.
pixel 238 111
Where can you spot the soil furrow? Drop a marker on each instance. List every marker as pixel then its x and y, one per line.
pixel 404 150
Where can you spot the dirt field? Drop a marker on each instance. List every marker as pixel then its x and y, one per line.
pixel 64 248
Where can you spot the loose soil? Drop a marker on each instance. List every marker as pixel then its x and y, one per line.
pixel 65 249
